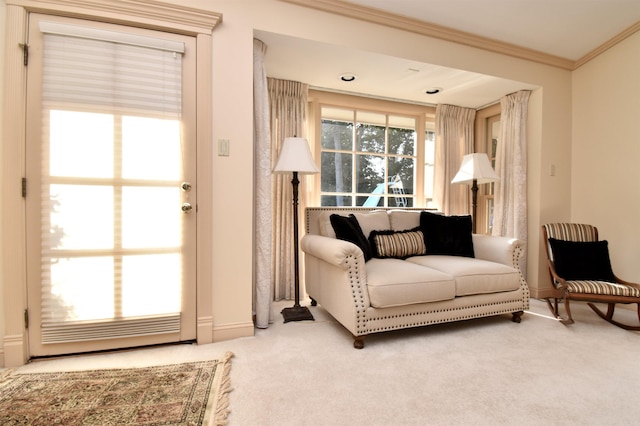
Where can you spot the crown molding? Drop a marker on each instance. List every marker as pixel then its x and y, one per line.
pixel 608 45
pixel 151 14
pixel 391 20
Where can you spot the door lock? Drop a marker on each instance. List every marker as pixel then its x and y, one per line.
pixel 186 208
pixel 186 186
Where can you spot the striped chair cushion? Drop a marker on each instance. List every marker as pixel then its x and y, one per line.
pixel 602 288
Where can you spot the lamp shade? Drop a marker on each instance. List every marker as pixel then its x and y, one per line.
pixel 475 167
pixel 295 156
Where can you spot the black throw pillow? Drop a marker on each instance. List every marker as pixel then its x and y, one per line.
pixel 347 228
pixel 575 260
pixel 449 235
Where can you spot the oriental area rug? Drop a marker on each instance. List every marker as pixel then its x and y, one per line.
pixel 194 393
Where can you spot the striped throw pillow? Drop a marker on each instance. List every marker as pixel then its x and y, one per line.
pixel 397 244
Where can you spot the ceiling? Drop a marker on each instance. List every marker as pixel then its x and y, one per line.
pixel 547 26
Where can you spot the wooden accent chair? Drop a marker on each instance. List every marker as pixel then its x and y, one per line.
pixel 580 269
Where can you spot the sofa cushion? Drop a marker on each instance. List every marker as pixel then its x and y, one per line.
pixel 324 224
pixel 575 260
pixel 395 282
pixel 473 276
pixel 399 220
pixel 348 229
pixel 377 220
pixel 397 244
pixel 450 235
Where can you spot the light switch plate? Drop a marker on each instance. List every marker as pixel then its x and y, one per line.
pixel 223 147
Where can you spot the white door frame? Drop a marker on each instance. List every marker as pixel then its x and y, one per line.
pixel 170 18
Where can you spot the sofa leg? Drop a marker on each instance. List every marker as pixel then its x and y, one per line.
pixel 358 342
pixel 517 316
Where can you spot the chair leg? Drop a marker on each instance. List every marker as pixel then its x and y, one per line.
pixel 556 311
pixel 569 319
pixel 609 316
pixel 553 307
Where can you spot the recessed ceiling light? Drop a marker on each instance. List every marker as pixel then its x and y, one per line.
pixel 433 90
pixel 347 77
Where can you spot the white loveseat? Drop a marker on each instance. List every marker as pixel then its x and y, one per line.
pixel 383 294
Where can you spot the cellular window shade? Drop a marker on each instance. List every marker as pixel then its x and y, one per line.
pixel 108 70
pixel 114 74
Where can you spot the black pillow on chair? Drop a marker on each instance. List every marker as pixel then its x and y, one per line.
pixel 347 228
pixel 576 260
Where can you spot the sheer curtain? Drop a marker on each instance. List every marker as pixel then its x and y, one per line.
pixel 263 283
pixel 454 139
pixel 288 106
pixel 510 211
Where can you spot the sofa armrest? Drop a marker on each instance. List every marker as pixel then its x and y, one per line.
pixel 505 250
pixel 331 250
pixel 336 277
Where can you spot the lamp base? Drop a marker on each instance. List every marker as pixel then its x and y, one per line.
pixel 297 313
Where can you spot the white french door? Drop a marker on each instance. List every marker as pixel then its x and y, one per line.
pixel 111 191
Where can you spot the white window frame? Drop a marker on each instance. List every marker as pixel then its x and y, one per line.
pixel 424 118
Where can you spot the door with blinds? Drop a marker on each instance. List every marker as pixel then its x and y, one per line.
pixel 110 186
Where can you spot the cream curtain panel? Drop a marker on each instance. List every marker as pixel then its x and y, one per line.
pixel 288 107
pixel 262 281
pixel 510 211
pixel 454 139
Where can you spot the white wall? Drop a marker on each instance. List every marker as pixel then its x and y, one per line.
pixel 606 152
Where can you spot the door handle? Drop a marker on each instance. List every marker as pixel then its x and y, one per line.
pixel 186 186
pixel 186 208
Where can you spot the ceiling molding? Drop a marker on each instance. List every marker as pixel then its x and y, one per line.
pixel 381 17
pixel 608 45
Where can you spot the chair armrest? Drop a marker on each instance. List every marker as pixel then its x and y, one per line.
pixel 505 250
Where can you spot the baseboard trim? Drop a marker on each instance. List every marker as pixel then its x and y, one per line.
pixel 232 331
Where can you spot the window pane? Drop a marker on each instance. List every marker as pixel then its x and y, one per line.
pixel 151 284
pixel 81 217
pixel 150 147
pixel 401 174
pixel 402 141
pixel 373 200
pixel 80 144
pixel 337 135
pixel 145 211
pixel 336 169
pixel 400 201
pixel 370 132
pixel 81 289
pixel 336 200
pixel 429 166
pixel 370 174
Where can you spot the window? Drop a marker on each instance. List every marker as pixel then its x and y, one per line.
pixel 487 136
pixel 375 158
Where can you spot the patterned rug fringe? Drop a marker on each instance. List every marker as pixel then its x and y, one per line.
pixel 222 402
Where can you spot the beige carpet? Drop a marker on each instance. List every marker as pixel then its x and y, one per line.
pixel 480 372
pixel 188 394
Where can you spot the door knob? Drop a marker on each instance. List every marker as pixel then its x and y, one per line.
pixel 186 208
pixel 186 186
